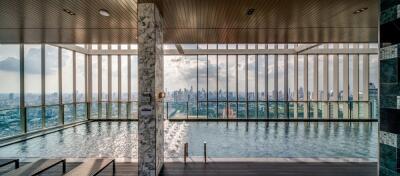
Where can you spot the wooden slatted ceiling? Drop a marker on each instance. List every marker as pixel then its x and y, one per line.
pixel 273 21
pixel 45 20
pixel 191 21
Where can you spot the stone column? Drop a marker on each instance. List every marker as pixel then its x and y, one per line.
pixel 150 67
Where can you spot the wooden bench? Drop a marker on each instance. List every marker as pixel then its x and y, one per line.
pixel 37 167
pixel 4 162
pixel 92 167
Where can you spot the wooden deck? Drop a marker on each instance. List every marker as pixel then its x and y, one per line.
pixel 237 168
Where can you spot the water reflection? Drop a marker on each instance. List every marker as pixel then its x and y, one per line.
pixel 284 139
pixel 224 139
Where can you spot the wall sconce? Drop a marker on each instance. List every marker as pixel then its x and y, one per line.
pixel 161 95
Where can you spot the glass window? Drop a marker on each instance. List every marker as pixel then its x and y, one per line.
pixel 9 95
pixel 202 46
pixel 67 81
pixel 9 75
pixel 212 77
pixel 95 78
pixel 33 88
pixel 251 77
pixel 330 76
pixel 251 46
pixel 242 77
pixel 231 46
pixel 134 77
pixel 189 46
pixel 134 46
pixel 202 80
pixel 95 47
pixel 80 77
pixel 261 77
pixel 310 71
pixel 104 77
pixel 241 46
pixel 232 77
pixel 104 46
pixel 124 46
pixel 271 77
pixel 182 69
pixel 291 78
pixel 114 46
pixel 351 76
pixel 341 78
pixel 221 46
pixel 222 77
pixel 281 77
pixel 124 78
pixel 114 78
pixel 373 85
pixel 300 76
pixel 212 46
pixel 51 75
pixel 321 77
pixel 361 76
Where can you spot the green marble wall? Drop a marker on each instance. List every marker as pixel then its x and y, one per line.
pixel 389 152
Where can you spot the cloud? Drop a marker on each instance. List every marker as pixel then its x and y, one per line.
pixel 10 64
pixel 32 62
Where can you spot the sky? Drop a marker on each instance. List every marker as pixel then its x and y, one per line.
pixel 180 72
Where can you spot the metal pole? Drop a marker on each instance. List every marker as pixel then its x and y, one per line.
pixel 185 153
pixel 129 104
pixel 43 84
pixel 60 97
pixel 74 83
pixel 205 152
pixel 99 86
pixel 23 114
pixel 197 84
pixel 167 111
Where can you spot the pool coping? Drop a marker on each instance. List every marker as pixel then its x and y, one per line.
pixel 34 134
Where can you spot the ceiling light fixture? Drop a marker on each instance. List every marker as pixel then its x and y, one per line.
pixel 360 10
pixel 250 11
pixel 69 12
pixel 104 12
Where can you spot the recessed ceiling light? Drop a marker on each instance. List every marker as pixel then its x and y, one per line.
pixel 250 11
pixel 68 11
pixel 104 12
pixel 360 10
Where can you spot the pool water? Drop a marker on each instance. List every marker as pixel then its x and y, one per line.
pixel 224 140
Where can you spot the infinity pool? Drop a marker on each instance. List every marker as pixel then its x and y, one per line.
pixel 224 140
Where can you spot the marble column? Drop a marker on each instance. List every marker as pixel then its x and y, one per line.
pixel 150 67
pixel 389 89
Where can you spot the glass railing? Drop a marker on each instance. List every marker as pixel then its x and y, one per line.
pixel 40 117
pixel 81 111
pixel 69 113
pixel 52 115
pixel 10 122
pixel 48 116
pixel 271 110
pixel 114 110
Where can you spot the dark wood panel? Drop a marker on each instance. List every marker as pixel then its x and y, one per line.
pixel 191 21
pixel 241 168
